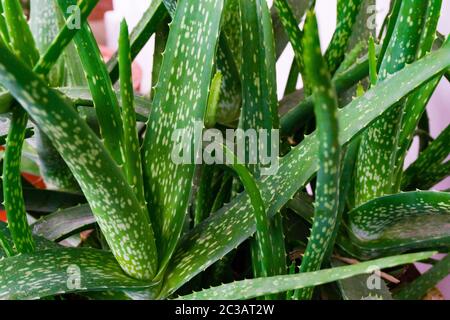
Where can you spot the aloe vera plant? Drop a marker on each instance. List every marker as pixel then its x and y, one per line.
pixel 142 206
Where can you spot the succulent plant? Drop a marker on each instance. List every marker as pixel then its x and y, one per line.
pixel 153 228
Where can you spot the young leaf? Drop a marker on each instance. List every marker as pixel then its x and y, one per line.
pixel 298 8
pixel 294 33
pixel 259 111
pixel 213 101
pixel 22 43
pixel 263 235
pixel 248 289
pixel 132 157
pixel 124 223
pixel 327 188
pixel 105 101
pixel 12 187
pixel 187 64
pixel 146 27
pixel 234 223
pixel 347 13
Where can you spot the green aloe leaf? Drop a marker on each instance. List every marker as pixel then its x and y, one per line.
pixel 416 103
pixel 429 168
pixel 45 201
pixel 298 8
pixel 259 111
pixel 63 223
pixel 327 188
pixel 111 199
pixel 53 169
pixel 419 287
pixel 297 116
pixel 248 289
pixel 57 271
pixel 132 156
pixel 4 34
pixel 5 237
pixel 168 184
pixel 228 61
pixel 347 13
pixel 146 27
pixel 23 45
pixel 105 101
pixel 263 235
pixel 375 168
pixel 400 222
pixel 290 24
pixel 234 223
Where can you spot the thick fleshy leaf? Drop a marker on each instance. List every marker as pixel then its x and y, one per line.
pixel 347 14
pixel 298 8
pixel 57 271
pixel 327 188
pixel 132 156
pixel 105 101
pixel 234 223
pixel 290 24
pixel 247 289
pixel 375 167
pixel 123 221
pixel 188 66
pixel 415 104
pixel 400 222
pixel 23 45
